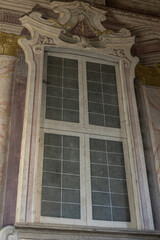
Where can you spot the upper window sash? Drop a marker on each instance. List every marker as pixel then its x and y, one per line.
pixel 83 124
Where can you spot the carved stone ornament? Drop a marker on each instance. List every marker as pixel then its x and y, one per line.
pixel 8 233
pixel 78 23
pixel 9 44
pixel 80 15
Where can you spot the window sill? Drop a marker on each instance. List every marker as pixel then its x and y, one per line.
pixel 60 232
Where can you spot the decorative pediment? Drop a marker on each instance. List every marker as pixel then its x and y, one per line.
pixel 79 18
pixel 75 23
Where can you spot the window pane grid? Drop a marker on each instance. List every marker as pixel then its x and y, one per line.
pixel 104 205
pixel 62 80
pixel 103 110
pixel 69 174
pixel 45 186
pixel 105 94
pixel 108 182
pixel 104 115
pixel 61 108
pixel 60 98
pixel 61 179
pixel 102 95
pixel 62 202
pixel 96 191
pixel 55 159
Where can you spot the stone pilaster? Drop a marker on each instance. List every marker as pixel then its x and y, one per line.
pixel 8 51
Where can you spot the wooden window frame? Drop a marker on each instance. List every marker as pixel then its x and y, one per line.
pixel 84 130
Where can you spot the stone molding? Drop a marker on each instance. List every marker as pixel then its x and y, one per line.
pixel 24 6
pixel 27 5
pixel 8 233
pixel 82 233
pixel 10 16
pixel 11 28
pixel 9 44
pixel 135 17
pixel 9 22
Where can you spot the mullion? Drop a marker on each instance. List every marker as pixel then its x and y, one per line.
pixel 102 94
pixel 61 173
pixel 62 85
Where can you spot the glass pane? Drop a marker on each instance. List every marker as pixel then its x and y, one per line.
pixel 50 209
pixel 62 100
pixel 61 177
pixel 71 211
pixel 108 181
pixel 71 196
pixel 51 194
pixel 52 165
pixel 102 95
pixel 100 198
pixel 101 213
pixel 121 214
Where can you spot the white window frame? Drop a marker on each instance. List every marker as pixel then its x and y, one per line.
pixel 84 130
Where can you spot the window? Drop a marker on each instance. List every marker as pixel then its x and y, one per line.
pixel 86 177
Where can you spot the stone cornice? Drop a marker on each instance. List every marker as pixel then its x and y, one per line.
pixel 27 5
pixel 11 28
pixel 21 5
pixel 134 18
pixel 10 16
pixel 110 233
pixel 9 22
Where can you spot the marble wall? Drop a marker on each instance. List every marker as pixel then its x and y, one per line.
pixel 148 100
pixel 17 114
pixel 7 66
pixel 152 98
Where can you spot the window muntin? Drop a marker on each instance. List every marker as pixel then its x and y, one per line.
pixel 87 132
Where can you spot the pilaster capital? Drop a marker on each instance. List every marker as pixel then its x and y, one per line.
pixel 8 233
pixel 9 44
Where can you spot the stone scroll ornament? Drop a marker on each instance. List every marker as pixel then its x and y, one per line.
pixel 78 23
pixel 8 233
